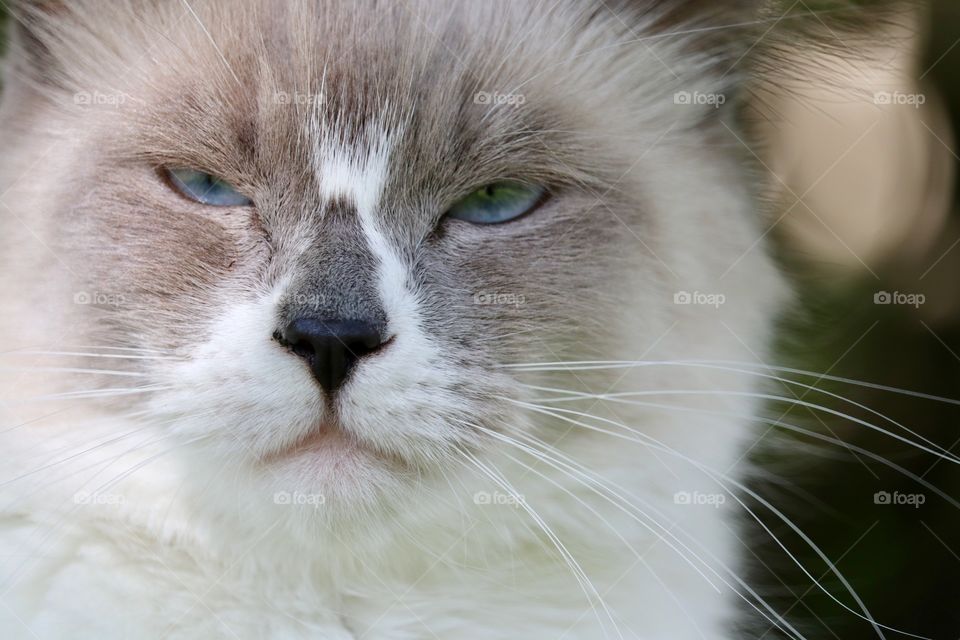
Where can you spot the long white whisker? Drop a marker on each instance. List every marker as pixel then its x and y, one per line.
pixel 596 485
pixel 721 365
pixel 82 354
pixel 608 483
pixel 595 365
pixel 12 578
pixel 612 528
pixel 759 396
pixel 73 456
pixel 102 372
pixel 95 348
pixel 719 478
pixel 585 584
pixel 807 432
pixel 747 368
pixel 107 392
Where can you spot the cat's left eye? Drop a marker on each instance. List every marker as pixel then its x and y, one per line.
pixel 497 202
pixel 205 188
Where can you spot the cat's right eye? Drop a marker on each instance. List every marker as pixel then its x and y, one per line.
pixel 205 188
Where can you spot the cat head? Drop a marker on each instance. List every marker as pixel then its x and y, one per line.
pixel 308 239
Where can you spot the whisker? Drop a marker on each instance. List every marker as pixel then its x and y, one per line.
pixel 74 456
pixel 810 433
pixel 594 365
pixel 721 365
pixel 585 584
pixel 945 454
pixel 103 372
pixel 612 528
pixel 719 478
pixel 92 393
pixel 88 354
pixel 12 578
pixel 595 485
pixel 111 348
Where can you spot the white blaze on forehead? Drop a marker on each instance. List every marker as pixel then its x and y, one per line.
pixel 357 171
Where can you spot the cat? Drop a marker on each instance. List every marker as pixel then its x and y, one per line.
pixel 378 320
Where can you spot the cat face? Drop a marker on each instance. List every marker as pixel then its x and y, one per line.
pixel 333 303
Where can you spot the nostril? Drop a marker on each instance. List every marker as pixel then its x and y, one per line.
pixel 303 349
pixel 362 346
pixel 331 347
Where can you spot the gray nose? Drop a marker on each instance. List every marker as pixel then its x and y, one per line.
pixel 331 346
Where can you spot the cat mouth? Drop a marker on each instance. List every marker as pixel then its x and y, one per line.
pixel 328 441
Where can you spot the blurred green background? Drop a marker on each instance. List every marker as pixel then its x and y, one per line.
pixel 903 561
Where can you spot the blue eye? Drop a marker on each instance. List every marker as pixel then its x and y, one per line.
pixel 497 202
pixel 205 188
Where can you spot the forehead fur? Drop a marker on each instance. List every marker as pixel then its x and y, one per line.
pixel 350 63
